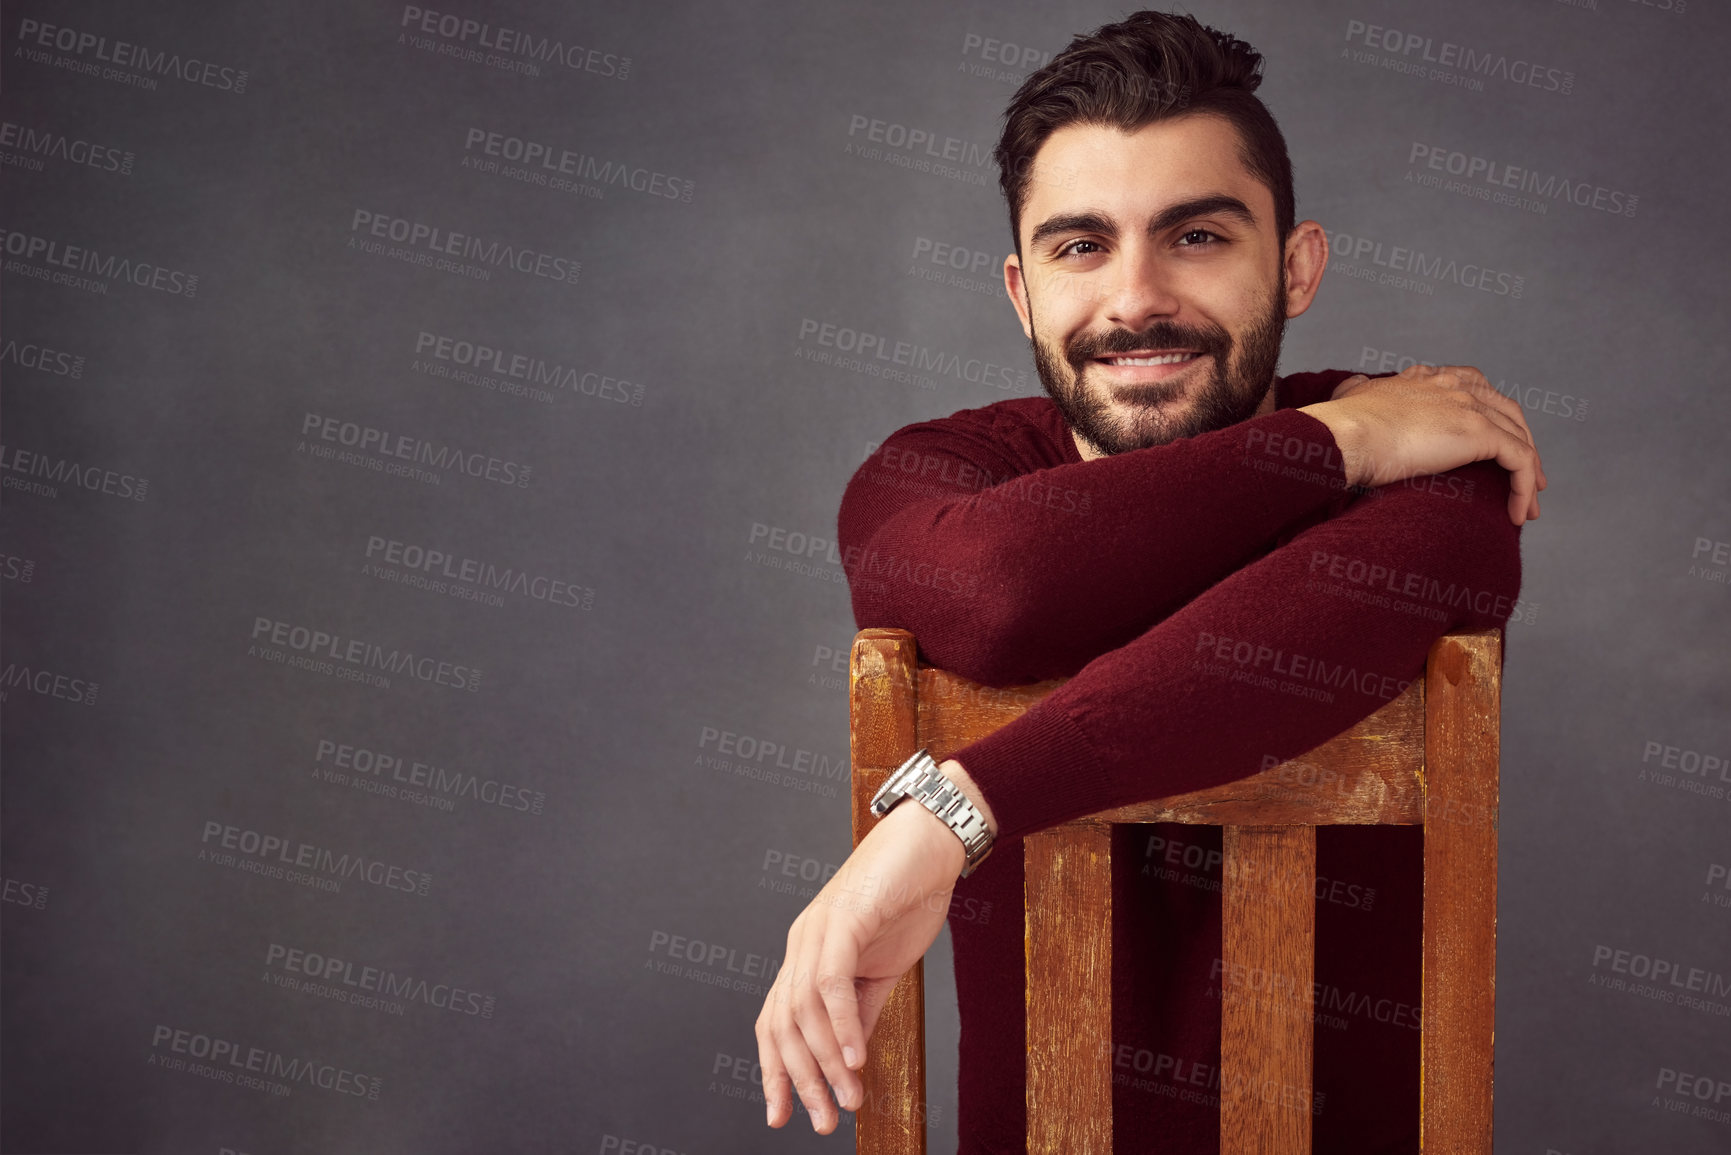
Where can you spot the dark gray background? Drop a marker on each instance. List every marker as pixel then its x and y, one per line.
pixel 664 497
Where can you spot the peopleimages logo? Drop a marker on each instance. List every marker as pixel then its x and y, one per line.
pixel 524 368
pixel 321 644
pixel 275 850
pixel 56 471
pixel 497 44
pixel 402 447
pixel 424 242
pixel 45 142
pixel 1418 50
pixel 361 762
pixel 112 268
pixel 441 568
pixel 872 348
pixel 231 1062
pixel 381 981
pixel 48 683
pixel 31 894
pixel 35 35
pixel 1396 259
pixel 546 162
pixel 1497 175
pixel 29 355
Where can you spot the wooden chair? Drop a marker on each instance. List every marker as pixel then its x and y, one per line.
pixel 1428 756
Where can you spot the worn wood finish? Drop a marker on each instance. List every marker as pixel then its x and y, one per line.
pixel 1367 775
pixel 1463 684
pixel 1268 955
pixel 881 735
pixel 1430 756
pixel 1067 894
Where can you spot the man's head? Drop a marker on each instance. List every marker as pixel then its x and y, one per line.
pixel 1151 199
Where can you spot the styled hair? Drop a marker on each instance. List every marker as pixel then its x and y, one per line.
pixel 1150 66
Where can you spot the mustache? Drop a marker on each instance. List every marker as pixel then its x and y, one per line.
pixel 1160 336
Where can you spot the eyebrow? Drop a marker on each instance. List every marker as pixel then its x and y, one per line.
pixel 1091 221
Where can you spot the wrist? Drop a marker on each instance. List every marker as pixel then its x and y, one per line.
pixel 951 798
pixel 952 769
pixel 1347 437
pixel 932 832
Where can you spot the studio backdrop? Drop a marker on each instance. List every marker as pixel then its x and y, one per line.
pixel 425 642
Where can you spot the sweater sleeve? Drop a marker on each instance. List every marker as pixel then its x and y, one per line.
pixel 1010 577
pixel 1269 663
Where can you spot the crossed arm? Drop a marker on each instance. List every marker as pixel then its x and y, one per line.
pixel 1196 680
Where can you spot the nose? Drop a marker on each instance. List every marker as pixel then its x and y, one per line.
pixel 1140 290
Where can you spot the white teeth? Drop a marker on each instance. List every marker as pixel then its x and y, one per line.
pixel 1163 359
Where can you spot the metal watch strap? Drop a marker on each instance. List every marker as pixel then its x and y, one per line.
pixel 919 778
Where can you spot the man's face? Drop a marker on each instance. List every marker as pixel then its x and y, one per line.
pixel 1156 293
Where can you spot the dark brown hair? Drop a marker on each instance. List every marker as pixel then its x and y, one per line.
pixel 1150 66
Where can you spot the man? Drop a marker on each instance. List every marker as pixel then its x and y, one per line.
pixel 1191 541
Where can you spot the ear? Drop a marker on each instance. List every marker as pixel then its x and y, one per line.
pixel 1306 257
pixel 1017 288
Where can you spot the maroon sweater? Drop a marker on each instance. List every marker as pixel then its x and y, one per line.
pixel 1219 603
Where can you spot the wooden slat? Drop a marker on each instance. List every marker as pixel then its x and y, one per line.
pixel 1268 950
pixel 1067 884
pixel 1365 775
pixel 1428 756
pixel 882 731
pixel 1462 736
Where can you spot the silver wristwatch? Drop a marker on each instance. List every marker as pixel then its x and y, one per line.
pixel 919 778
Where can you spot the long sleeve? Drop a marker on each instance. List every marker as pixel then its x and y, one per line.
pixel 1272 661
pixel 1009 576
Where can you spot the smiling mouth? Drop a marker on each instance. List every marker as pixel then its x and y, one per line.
pixel 1136 359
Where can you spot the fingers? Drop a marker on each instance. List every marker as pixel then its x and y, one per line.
pixel 1516 449
pixel 873 994
pixel 782 1052
pixel 1470 379
pixel 1425 402
pixel 777 1087
pixel 798 1051
pixel 788 1066
pixel 808 1077
pixel 1521 460
pixel 872 914
pixel 846 1036
pixel 823 993
pixel 813 1092
pixel 1489 394
pixel 1511 409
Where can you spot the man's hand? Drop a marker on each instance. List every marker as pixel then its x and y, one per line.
pixel 871 922
pixel 1428 419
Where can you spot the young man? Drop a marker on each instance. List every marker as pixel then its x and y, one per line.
pixel 1207 552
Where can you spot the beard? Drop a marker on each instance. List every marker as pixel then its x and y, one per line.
pixel 1241 375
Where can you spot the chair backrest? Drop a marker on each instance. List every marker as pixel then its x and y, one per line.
pixel 1427 757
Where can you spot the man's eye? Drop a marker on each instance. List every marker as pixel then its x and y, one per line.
pixel 1207 236
pixel 1074 249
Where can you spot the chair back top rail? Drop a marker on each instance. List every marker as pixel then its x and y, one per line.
pixel 1370 774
